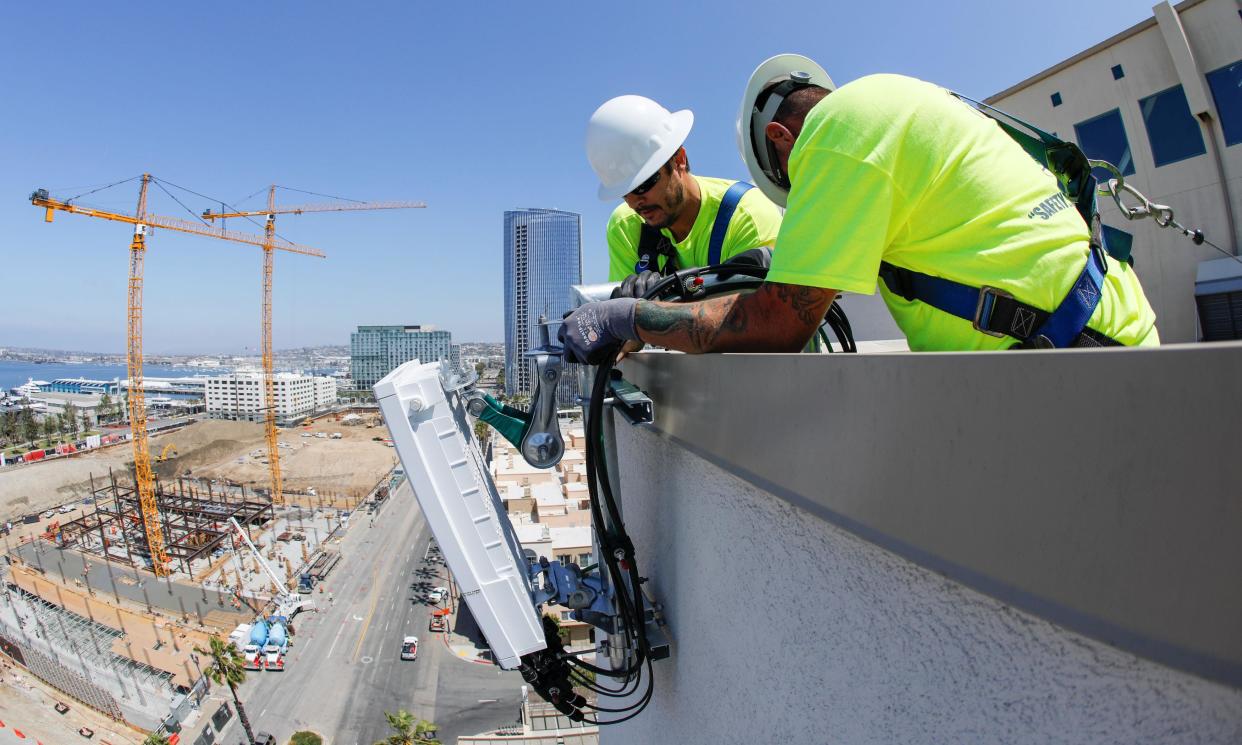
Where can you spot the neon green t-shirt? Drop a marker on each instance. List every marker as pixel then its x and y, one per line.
pixel 889 168
pixel 755 222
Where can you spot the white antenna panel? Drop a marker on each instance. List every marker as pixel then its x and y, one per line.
pixel 432 436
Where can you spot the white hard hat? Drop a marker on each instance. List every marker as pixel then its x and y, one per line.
pixel 629 138
pixel 763 97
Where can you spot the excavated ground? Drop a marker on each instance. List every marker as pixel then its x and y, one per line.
pixel 213 449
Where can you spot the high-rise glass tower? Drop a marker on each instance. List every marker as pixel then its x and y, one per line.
pixel 543 259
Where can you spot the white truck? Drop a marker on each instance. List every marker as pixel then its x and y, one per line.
pixel 240 636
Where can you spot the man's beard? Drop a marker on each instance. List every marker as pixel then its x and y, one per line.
pixel 672 207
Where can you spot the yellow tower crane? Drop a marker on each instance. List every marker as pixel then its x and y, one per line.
pixel 269 232
pixel 144 479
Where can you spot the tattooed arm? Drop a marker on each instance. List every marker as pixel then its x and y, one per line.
pixel 774 318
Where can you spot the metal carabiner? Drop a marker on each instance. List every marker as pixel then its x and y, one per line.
pixel 1162 214
pixel 1115 189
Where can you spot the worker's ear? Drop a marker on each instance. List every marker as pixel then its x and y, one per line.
pixel 780 136
pixel 681 161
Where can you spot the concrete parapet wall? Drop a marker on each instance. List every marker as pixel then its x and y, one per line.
pixel 1010 547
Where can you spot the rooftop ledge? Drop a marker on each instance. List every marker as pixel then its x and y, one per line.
pixel 1099 490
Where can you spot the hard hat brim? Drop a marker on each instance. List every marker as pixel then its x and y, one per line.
pixel 682 122
pixel 770 71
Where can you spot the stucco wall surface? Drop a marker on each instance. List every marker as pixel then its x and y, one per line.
pixel 788 629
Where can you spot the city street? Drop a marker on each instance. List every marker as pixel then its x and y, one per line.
pixel 344 670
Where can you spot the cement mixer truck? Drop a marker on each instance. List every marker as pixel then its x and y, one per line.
pixel 252 653
pixel 276 646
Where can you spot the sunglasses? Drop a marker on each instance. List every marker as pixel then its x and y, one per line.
pixel 647 185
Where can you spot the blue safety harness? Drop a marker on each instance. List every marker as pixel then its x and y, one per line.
pixel 652 243
pixel 996 312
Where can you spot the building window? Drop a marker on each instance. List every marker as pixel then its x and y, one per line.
pixel 1226 85
pixel 1104 138
pixel 1118 73
pixel 1119 242
pixel 1056 99
pixel 1174 134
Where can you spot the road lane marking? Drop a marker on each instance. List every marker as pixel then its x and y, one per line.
pixel 367 623
pixel 335 639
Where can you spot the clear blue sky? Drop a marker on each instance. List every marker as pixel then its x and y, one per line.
pixel 474 108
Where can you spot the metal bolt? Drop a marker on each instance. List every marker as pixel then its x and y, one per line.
pixel 619 554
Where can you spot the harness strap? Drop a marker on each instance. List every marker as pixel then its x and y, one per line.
pixel 728 204
pixel 997 313
pixel 652 244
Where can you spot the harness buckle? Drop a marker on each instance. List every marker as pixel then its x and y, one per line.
pixel 983 310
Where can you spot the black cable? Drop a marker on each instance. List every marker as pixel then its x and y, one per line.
pixel 317 194
pixel 226 204
pixel 178 201
pixel 109 186
pixel 642 704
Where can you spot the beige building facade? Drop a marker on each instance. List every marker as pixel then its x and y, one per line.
pixel 1162 100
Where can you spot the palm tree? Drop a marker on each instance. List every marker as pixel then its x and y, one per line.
pixel 228 668
pixel 156 738
pixel 408 730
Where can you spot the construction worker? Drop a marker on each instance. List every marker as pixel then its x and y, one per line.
pixel 670 219
pixel 893 178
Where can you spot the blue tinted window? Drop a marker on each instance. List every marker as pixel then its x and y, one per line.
pixel 1056 99
pixel 1173 132
pixel 1104 138
pixel 1118 73
pixel 1118 242
pixel 1226 85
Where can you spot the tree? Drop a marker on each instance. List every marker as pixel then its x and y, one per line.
pixel 69 420
pixel 305 738
pixel 8 426
pixel 104 410
pixel 478 369
pixel 228 668
pixel 408 730
pixel 51 426
pixel 156 738
pixel 27 424
pixel 86 422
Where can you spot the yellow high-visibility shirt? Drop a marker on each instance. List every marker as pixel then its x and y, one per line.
pixel 755 223
pixel 889 168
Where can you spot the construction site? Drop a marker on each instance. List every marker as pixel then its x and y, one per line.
pixel 122 563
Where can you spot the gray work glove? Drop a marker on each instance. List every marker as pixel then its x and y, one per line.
pixel 637 285
pixel 595 330
pixel 761 256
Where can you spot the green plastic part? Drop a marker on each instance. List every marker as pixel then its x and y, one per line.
pixel 511 423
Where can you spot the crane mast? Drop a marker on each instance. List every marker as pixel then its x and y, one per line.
pixel 144 478
pixel 269 233
pixel 269 385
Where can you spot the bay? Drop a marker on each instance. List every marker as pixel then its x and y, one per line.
pixel 14 373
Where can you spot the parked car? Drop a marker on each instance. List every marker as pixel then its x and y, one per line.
pixel 409 648
pixel 438 595
pixel 264 738
pixel 437 623
pixel 48 514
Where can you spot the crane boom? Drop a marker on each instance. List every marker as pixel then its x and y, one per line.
pixel 281 590
pixel 323 207
pixel 41 199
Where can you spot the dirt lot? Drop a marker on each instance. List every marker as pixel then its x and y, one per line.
pixel 219 450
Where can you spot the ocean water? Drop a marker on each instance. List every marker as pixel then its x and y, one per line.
pixel 15 373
